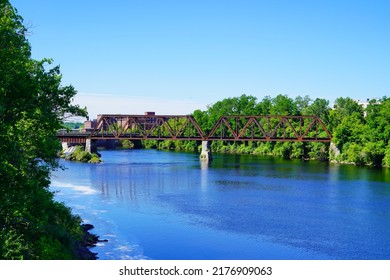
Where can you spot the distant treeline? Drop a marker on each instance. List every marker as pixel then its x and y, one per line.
pixel 73 125
pixel 359 135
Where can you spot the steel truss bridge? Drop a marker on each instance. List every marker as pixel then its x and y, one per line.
pixel 185 127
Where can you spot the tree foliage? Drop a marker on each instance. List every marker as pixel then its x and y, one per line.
pixel 33 105
pixel 278 105
pixel 362 135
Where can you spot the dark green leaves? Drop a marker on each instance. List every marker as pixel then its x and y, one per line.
pixel 33 104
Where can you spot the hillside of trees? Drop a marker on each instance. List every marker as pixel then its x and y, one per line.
pixel 33 105
pixel 359 135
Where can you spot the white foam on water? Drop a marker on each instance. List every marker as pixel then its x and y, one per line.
pixel 85 190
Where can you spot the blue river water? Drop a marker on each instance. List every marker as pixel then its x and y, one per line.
pixel 163 205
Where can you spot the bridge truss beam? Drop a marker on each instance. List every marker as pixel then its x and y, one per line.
pixel 147 127
pixel 270 128
pixel 185 127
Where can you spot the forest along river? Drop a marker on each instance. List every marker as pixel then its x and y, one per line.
pixel 167 205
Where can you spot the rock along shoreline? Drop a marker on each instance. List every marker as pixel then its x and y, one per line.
pixel 88 241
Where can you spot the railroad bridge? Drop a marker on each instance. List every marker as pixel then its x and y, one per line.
pixel 186 128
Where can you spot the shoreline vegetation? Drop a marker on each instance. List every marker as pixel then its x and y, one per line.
pixel 77 153
pixel 360 130
pixel 33 107
pixel 89 240
pixel 242 149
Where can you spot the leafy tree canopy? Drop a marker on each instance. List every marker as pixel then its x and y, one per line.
pixel 33 105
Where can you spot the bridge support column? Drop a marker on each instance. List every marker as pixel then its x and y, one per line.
pixel 205 154
pixel 90 145
pixel 65 146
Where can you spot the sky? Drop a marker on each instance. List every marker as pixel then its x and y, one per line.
pixel 173 57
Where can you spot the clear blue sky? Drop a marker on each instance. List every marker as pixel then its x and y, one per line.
pixel 176 56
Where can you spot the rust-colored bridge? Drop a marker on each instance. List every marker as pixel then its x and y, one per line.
pixel 185 127
pixel 227 128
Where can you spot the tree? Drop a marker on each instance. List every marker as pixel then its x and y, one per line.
pixel 33 105
pixel 302 103
pixel 343 108
pixel 378 118
pixel 283 105
pixel 242 105
pixel 362 138
pixel 263 108
pixel 320 108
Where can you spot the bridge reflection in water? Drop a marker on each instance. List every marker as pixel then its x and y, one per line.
pixel 186 128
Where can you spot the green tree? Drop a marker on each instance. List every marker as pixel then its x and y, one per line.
pixel 361 135
pixel 302 103
pixel 242 105
pixel 33 105
pixel 378 118
pixel 320 108
pixel 283 105
pixel 263 108
pixel 351 129
pixel 386 158
pixel 343 108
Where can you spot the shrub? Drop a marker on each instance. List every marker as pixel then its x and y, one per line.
pixel 386 158
pixel 127 144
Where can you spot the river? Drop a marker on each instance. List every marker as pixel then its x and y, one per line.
pixel 153 204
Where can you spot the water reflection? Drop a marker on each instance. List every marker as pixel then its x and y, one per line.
pixel 166 205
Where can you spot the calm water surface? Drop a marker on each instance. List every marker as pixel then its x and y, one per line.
pixel 153 204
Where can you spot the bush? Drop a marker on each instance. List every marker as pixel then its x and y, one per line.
pixel 386 158
pixel 283 149
pixel 150 144
pixel 318 151
pixel 264 148
pixel 297 150
pixel 127 144
pixel 354 154
pixel 80 155
pixel 95 159
pixel 374 153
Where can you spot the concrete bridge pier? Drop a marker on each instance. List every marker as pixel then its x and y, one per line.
pixel 205 154
pixel 65 145
pixel 91 145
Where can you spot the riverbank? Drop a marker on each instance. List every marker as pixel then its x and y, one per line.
pixel 327 152
pixel 88 240
pixel 77 153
